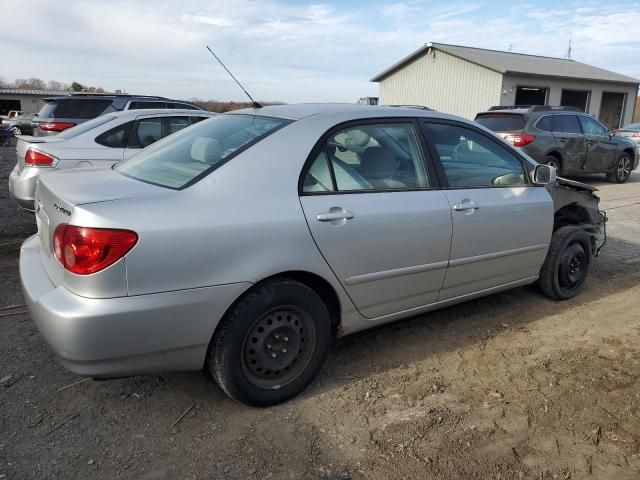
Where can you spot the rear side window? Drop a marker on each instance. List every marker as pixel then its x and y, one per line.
pixel 502 122
pixel 117 137
pixel 184 106
pixel 545 123
pixel 194 152
pixel 146 105
pixel 566 124
pixel 82 108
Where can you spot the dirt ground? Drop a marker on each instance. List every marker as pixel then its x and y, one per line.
pixel 512 386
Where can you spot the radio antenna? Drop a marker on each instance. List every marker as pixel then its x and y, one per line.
pixel 254 104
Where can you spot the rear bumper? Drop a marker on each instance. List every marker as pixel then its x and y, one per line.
pixel 22 186
pixel 125 335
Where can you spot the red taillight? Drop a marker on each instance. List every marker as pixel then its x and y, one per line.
pixel 55 126
pixel 38 159
pixel 84 250
pixel 520 140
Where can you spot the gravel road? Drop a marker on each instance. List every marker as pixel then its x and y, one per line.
pixel 512 386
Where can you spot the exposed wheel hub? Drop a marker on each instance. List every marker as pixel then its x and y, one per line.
pixel 278 347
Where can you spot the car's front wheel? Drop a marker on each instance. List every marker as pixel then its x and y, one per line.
pixel 622 170
pixel 565 268
pixel 271 344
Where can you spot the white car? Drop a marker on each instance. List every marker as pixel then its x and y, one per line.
pixel 101 141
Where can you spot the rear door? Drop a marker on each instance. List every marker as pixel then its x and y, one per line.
pixel 601 150
pixel 571 142
pixel 377 216
pixel 502 223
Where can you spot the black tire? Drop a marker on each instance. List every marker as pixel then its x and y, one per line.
pixel 622 170
pixel 554 162
pixel 567 264
pixel 277 315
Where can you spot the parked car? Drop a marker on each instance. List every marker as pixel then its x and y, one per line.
pixel 101 141
pixel 5 136
pixel 60 113
pixel 565 138
pixel 631 131
pixel 20 125
pixel 242 244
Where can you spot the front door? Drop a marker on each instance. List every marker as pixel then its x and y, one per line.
pixel 502 223
pixel 571 142
pixel 369 201
pixel 601 151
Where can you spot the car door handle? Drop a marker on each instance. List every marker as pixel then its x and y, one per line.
pixel 464 206
pixel 331 216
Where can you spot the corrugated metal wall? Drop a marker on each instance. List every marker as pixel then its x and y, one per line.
pixel 445 83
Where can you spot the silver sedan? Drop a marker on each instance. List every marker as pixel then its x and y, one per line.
pixel 101 141
pixel 244 244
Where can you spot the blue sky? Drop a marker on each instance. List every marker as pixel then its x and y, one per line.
pixel 291 51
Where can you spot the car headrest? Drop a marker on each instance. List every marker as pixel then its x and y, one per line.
pixel 377 163
pixel 207 150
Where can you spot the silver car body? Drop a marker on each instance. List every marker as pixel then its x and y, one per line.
pixel 202 247
pixel 77 147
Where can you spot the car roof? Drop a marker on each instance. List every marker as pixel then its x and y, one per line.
pixel 160 112
pixel 304 110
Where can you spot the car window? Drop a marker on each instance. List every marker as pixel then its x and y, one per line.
pixel 592 127
pixel 545 123
pixel 174 124
pixel 85 126
pixel 371 157
pixel 146 105
pixel 566 124
pixel 191 153
pixel 74 108
pixel 501 122
pixel 148 131
pixel 471 159
pixel 116 137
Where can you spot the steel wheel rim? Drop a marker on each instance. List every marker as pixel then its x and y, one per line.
pixel 624 168
pixel 573 266
pixel 278 347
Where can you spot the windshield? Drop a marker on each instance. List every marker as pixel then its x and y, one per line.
pixel 85 127
pixel 189 154
pixel 501 122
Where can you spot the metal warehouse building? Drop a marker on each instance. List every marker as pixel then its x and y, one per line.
pixel 466 80
pixel 27 100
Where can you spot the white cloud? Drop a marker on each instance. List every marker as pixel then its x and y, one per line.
pixel 292 52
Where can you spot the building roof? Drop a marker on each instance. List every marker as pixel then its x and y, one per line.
pixel 30 91
pixel 510 62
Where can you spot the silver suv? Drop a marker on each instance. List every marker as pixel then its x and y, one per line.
pixel 565 138
pixel 60 113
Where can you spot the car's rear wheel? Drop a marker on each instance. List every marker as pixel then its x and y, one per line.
pixel 554 162
pixel 271 344
pixel 567 264
pixel 15 131
pixel 622 170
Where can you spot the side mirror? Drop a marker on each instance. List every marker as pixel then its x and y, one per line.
pixel 544 175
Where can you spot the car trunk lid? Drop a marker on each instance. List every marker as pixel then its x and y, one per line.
pixel 58 194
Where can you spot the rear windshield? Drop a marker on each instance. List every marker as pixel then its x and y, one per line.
pixel 81 108
pixel 501 122
pixel 188 155
pixel 85 126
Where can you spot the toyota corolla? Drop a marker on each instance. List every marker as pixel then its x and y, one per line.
pixel 244 244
